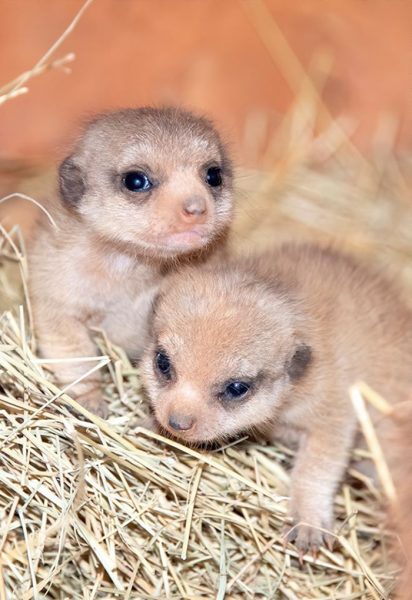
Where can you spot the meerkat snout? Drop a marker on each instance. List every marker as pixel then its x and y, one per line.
pixel 194 210
pixel 181 422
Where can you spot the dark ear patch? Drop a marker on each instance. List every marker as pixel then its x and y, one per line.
pixel 299 362
pixel 71 182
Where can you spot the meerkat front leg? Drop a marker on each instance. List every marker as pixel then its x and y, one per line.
pixel 68 339
pixel 321 461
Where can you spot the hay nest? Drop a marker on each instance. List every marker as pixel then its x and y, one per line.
pixel 105 509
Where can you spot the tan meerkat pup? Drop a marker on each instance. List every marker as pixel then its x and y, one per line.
pixel 143 188
pixel 271 345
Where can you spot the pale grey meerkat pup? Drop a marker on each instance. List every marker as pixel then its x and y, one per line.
pixel 143 188
pixel 270 345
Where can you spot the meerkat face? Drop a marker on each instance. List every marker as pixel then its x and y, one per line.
pixel 156 180
pixel 223 358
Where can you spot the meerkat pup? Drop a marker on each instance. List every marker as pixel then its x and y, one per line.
pixel 271 345
pixel 142 188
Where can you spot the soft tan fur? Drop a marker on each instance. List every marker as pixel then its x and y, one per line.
pixel 103 265
pixel 302 324
pixel 400 451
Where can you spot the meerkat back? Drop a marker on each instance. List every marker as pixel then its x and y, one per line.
pixel 365 324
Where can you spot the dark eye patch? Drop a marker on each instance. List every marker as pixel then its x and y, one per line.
pixel 236 390
pixel 241 388
pixel 214 176
pixel 136 181
pixel 163 365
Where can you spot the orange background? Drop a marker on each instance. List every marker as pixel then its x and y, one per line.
pixel 206 54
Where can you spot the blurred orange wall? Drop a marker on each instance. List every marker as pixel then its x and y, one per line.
pixel 205 54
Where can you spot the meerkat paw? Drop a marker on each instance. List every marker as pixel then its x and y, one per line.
pixel 149 423
pixel 309 538
pixel 94 403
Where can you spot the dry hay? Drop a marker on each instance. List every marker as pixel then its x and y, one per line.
pixel 94 509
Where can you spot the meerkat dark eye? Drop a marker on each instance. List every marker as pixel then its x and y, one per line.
pixel 136 181
pixel 214 176
pixel 163 365
pixel 236 390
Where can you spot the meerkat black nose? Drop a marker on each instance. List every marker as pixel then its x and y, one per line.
pixel 181 422
pixel 194 209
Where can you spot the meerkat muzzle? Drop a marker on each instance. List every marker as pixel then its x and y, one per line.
pixel 181 422
pixel 194 210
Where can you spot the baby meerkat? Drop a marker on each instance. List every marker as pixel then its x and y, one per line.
pixel 143 188
pixel 270 345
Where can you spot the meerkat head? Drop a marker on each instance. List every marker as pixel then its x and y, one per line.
pixel 156 181
pixel 225 352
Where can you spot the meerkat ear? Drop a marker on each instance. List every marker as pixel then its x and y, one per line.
pixel 71 182
pixel 152 314
pixel 300 361
pixel 155 302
